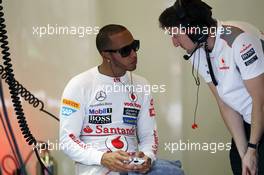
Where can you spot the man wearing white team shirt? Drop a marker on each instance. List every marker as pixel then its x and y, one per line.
pixel 107 127
pixel 232 63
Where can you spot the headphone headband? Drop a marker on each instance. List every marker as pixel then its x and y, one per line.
pixel 190 15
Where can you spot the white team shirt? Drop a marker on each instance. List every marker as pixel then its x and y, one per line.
pixel 95 119
pixel 237 56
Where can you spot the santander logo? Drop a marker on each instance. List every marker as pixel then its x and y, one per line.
pixel 87 129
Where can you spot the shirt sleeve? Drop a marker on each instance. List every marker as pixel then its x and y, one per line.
pixel 249 56
pixel 147 128
pixel 71 121
pixel 199 61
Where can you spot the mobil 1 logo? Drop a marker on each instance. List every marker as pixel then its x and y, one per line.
pixel 100 116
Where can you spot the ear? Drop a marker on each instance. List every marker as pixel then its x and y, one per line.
pixel 106 56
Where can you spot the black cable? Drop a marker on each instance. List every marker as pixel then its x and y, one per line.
pixel 13 90
pixel 8 137
pixel 17 153
pixel 211 71
pixel 27 95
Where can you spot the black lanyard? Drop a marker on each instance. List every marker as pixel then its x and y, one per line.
pixel 210 65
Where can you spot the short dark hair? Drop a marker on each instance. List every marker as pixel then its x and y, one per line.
pixel 103 41
pixel 191 12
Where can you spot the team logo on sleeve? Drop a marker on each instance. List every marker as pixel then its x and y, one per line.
pixel 71 103
pixel 69 107
pixel 67 111
pixel 248 54
pixel 249 57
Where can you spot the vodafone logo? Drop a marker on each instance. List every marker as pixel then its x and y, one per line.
pixel 132 105
pixel 132 97
pixel 223 65
pixel 115 143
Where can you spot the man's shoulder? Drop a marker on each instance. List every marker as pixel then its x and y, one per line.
pixel 238 30
pixel 84 77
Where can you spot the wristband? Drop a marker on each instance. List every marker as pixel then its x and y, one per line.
pixel 251 145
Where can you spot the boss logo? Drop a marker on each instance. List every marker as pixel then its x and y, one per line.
pixel 100 119
pixel 248 54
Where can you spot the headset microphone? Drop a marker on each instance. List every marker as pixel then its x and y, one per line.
pixel 187 57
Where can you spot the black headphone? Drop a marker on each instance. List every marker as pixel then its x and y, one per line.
pixel 188 22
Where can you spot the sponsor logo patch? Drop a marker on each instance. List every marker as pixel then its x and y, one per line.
pixel 115 143
pixel 245 47
pixel 156 142
pixel 223 65
pixel 100 119
pixel 77 141
pixel 100 130
pixel 87 129
pixel 100 104
pixel 248 54
pixel 131 112
pixel 71 103
pixel 100 111
pixel 152 112
pixel 67 111
pixel 130 120
pixel 129 104
pixel 132 97
pixel 252 60
pixel 100 96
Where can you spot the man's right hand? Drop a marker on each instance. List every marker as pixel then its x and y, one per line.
pixel 114 161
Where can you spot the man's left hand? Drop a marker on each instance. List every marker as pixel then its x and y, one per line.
pixel 249 162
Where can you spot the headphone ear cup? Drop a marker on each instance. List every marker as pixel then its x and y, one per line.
pixel 198 38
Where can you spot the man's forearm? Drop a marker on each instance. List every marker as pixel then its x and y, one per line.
pixel 257 120
pixel 233 121
pixel 235 125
